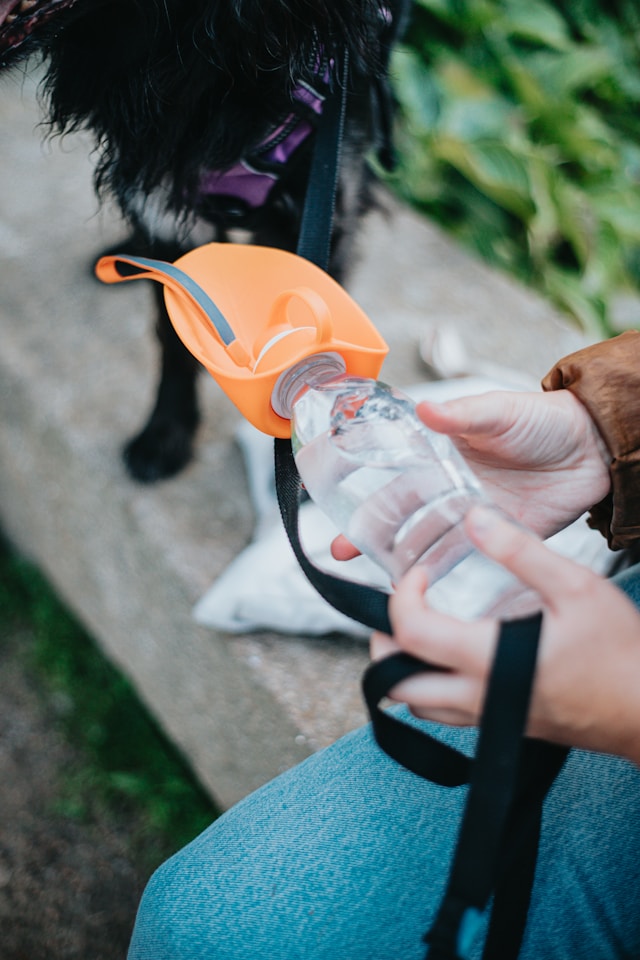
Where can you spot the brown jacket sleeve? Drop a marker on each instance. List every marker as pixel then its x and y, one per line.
pixel 605 377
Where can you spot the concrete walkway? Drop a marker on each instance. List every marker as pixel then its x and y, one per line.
pixel 77 373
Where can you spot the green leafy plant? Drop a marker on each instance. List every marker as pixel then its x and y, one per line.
pixel 519 130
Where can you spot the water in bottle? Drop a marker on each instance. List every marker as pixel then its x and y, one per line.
pixel 397 490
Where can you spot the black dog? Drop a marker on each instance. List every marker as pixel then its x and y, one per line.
pixel 204 114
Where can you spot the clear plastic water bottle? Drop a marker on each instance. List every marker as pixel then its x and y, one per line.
pixel 397 490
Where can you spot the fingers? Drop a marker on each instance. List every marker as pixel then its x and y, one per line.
pixel 447 697
pixel 552 576
pixel 342 549
pixel 381 645
pixel 433 636
pixel 487 413
pixel 451 697
pixel 463 650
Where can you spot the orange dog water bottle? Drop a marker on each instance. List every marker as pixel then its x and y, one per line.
pixel 261 320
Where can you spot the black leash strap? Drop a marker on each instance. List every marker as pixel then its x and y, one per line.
pixel 358 601
pixel 508 780
pixel 316 227
pixel 361 603
pixel 413 748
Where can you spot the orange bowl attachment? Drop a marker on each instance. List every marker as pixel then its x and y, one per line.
pixel 249 314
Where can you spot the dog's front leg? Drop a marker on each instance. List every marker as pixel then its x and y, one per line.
pixel 165 444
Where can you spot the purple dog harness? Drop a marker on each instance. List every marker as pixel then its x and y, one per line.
pixel 251 180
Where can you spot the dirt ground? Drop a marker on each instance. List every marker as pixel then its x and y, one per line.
pixel 68 889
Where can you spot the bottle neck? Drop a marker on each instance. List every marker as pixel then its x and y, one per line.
pixel 309 372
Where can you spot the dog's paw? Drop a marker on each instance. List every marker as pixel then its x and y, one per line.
pixel 160 451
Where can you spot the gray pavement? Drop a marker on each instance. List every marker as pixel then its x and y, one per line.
pixel 77 373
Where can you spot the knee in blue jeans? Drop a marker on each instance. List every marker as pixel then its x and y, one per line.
pixel 165 927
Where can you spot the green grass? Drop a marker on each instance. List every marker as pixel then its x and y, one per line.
pixel 127 767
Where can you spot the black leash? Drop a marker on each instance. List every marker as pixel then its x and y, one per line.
pixel 362 603
pixel 510 776
pixel 358 601
pixel 508 779
pixel 316 226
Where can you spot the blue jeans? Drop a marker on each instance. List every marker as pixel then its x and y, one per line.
pixel 346 857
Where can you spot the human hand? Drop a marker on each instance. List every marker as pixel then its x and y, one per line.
pixel 539 456
pixel 585 691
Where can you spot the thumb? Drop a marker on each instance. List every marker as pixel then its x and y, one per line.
pixel 466 416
